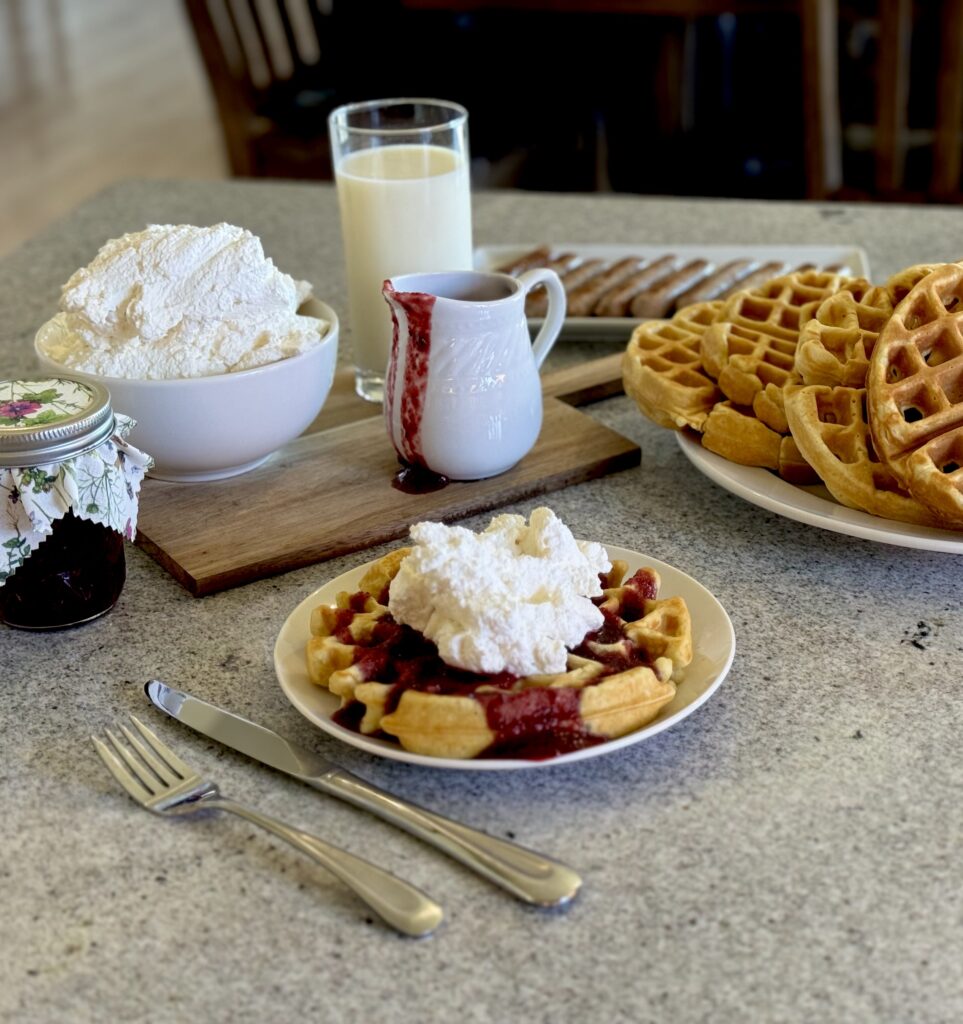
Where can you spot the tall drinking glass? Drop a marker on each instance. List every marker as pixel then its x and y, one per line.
pixel 401 167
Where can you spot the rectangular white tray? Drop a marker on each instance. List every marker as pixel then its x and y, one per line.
pixel 599 328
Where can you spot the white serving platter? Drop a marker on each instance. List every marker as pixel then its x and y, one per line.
pixel 618 329
pixel 814 506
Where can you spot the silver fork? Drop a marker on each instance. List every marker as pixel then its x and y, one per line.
pixel 160 781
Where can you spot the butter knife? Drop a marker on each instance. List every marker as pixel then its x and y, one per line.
pixel 525 874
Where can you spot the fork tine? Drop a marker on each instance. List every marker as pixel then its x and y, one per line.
pixel 161 770
pixel 149 779
pixel 163 750
pixel 116 767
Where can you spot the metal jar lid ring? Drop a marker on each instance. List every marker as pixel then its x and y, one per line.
pixel 50 419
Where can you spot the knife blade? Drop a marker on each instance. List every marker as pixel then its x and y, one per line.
pixel 527 875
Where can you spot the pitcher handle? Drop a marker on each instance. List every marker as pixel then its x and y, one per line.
pixel 555 316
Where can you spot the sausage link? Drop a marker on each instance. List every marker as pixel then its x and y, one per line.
pixel 716 283
pixel 534 258
pixel 617 301
pixel 537 302
pixel 582 300
pixel 657 302
pixel 756 279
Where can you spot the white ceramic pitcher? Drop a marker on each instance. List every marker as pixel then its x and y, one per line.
pixel 462 393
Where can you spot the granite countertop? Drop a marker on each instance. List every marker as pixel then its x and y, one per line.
pixel 789 852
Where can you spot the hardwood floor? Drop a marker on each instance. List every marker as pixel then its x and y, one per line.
pixel 93 91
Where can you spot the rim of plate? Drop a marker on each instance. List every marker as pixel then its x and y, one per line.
pixel 715 643
pixel 763 488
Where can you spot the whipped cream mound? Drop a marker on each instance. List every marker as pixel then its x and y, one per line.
pixel 179 301
pixel 511 598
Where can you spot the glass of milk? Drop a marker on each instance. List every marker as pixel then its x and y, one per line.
pixel 401 167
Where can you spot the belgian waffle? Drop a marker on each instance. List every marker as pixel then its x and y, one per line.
pixel 915 389
pixel 392 682
pixel 736 434
pixel 662 368
pixel 829 424
pixel 836 343
pixel 752 343
pixel 720 368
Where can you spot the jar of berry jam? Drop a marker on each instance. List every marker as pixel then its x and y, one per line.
pixel 68 498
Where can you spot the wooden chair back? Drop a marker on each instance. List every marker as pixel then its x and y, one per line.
pixel 248 50
pixel 897 20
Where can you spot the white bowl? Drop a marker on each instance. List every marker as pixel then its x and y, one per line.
pixel 207 428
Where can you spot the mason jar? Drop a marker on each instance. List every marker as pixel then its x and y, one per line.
pixel 69 487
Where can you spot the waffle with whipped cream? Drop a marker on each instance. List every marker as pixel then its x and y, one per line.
pixel 393 684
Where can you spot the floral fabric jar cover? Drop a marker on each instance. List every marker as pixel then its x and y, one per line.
pixel 50 464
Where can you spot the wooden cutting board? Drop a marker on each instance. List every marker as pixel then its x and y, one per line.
pixel 329 492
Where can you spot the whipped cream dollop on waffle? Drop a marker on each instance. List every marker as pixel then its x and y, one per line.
pixel 510 598
pixel 177 301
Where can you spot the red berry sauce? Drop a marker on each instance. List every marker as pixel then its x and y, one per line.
pixel 418 307
pixel 535 723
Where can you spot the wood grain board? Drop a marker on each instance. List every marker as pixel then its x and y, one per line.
pixel 575 385
pixel 329 492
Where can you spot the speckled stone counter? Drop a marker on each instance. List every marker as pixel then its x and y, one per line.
pixel 790 852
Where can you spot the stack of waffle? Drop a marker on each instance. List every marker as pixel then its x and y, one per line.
pixel 814 374
pixel 721 369
pixel 393 684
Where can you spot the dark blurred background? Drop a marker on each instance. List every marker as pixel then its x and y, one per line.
pixel 697 97
pixel 852 99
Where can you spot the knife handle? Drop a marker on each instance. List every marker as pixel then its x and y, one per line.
pixel 525 874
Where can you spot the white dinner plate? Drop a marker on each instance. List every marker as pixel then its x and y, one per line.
pixel 618 329
pixel 714 645
pixel 814 506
